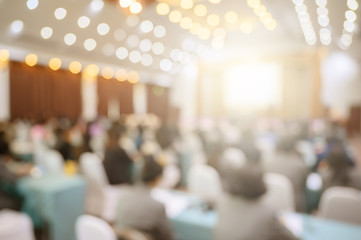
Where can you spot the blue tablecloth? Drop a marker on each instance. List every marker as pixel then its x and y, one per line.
pixel 196 224
pixel 55 202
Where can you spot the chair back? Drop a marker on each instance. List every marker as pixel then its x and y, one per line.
pixel 93 170
pixel 279 193
pixel 342 204
pixel 53 163
pixel 92 228
pixel 204 181
pixel 15 226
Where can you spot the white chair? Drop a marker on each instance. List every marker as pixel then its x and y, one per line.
pixel 279 193
pixel 15 226
pixel 101 197
pixel 53 162
pixel 205 182
pixel 341 204
pixel 92 228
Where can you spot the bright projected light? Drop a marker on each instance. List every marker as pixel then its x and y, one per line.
pixel 253 87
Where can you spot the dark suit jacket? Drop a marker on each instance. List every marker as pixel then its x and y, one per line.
pixel 137 209
pixel 6 177
pixel 118 166
pixel 241 219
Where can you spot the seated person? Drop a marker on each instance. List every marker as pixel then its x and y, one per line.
pixel 138 210
pixel 338 171
pixel 289 163
pixel 6 177
pixel 117 163
pixel 240 214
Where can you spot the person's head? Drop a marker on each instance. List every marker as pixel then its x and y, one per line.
pixel 242 178
pixel 152 170
pixel 337 159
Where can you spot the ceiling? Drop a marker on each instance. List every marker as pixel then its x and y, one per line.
pixel 287 36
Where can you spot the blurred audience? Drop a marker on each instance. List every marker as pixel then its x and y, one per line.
pixel 240 214
pixel 138 210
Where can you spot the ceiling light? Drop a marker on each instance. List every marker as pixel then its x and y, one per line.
pixel 158 48
pixel 175 16
pixel 301 8
pixel 90 44
pixel 17 26
pixel 175 55
pixel 31 59
pixel 60 13
pixel 4 55
pixel 32 4
pixel 54 64
pixel 146 26
pixel 260 10
pixel 133 41
pixel 120 35
pixel 163 9
pixel 253 3
pixel 46 32
pixel 352 4
pixel 125 3
pixel 121 75
pixel 146 60
pixel 103 29
pixel 350 16
pixel 135 8
pixel 108 72
pixel 145 45
pixel 132 20
pixel 185 57
pixel 83 22
pixel 75 67
pixel 92 70
pixel 70 39
pixel 108 50
pixel 121 53
pixel 186 23
pixel 133 77
pixel 321 3
pixel 159 31
pixel 97 5
pixel 322 11
pixel 165 65
pixel 323 20
pixel 214 1
pixel 231 17
pixel 200 10
pixel 349 26
pixel 271 25
pixel 186 4
pixel 213 20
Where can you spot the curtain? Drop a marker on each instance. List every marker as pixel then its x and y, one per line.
pixel 113 90
pixel 40 93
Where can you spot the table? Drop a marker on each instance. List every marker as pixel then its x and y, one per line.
pixel 55 202
pixel 196 224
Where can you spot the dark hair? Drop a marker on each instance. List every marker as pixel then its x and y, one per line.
pixel 151 169
pixel 4 145
pixel 245 180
